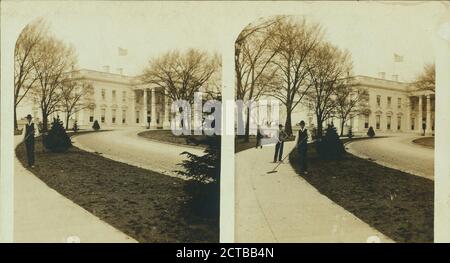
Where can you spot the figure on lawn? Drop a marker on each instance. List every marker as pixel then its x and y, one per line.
pixel 29 132
pixel 282 136
pixel 302 147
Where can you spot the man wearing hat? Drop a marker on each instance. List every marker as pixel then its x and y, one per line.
pixel 282 136
pixel 302 147
pixel 29 133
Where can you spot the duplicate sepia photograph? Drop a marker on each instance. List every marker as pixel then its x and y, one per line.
pixel 335 141
pixel 95 109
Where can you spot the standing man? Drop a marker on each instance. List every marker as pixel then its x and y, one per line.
pixel 302 147
pixel 29 132
pixel 259 136
pixel 282 136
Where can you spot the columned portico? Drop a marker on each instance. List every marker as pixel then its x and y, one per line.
pixel 423 120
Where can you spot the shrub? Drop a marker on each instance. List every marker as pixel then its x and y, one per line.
pixel 57 139
pixel 330 147
pixel 371 132
pixel 204 170
pixel 96 126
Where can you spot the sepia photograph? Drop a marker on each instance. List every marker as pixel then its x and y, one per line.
pixel 96 107
pixel 224 122
pixel 335 138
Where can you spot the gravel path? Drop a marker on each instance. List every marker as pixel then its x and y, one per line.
pixel 398 152
pixel 127 147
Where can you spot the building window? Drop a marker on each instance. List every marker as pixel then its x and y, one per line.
pixel 137 116
pixel 124 96
pixel 103 115
pixel 114 95
pixel 378 100
pixel 366 121
pixel 413 121
pixel 389 120
pixel 389 102
pixel 378 118
pixel 124 116
pixel 399 103
pixel 91 115
pixel 113 118
pixel 399 123
pixel 103 94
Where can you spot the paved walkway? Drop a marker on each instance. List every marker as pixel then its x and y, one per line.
pixel 127 147
pixel 283 207
pixel 43 215
pixel 398 152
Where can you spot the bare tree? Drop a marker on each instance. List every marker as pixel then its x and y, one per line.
pixel 51 61
pixel 294 42
pixel 74 97
pixel 427 79
pixel 328 69
pixel 181 74
pixel 351 101
pixel 253 53
pixel 26 45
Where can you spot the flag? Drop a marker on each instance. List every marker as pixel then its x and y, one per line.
pixel 122 51
pixel 398 58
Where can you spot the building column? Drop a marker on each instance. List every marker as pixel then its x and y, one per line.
pixel 166 123
pixel 153 123
pixel 428 130
pixel 145 109
pixel 408 115
pixel 419 117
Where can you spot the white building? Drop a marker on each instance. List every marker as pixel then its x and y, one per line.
pixel 394 107
pixel 117 101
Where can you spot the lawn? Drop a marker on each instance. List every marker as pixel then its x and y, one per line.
pixel 426 142
pixel 398 204
pixel 169 137
pixel 148 206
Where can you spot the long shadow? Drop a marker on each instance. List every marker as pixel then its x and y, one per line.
pixel 398 204
pixel 148 206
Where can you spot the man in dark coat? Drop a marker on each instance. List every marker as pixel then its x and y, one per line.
pixel 302 148
pixel 259 137
pixel 29 133
pixel 282 136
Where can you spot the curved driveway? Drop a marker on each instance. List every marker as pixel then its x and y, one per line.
pixel 398 152
pixel 128 147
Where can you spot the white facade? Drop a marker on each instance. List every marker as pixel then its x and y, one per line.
pixel 117 101
pixel 394 107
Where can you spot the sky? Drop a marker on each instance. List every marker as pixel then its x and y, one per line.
pixel 372 32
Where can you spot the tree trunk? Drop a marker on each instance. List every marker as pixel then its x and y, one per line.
pixel 44 122
pixel 247 126
pixel 342 127
pixel 16 127
pixel 67 121
pixel 319 127
pixel 288 123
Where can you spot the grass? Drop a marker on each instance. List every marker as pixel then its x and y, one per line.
pixel 169 137
pixel 398 204
pixel 426 142
pixel 148 206
pixel 241 145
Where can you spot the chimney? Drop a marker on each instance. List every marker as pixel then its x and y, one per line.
pixel 382 75
pixel 395 77
pixel 106 69
pixel 120 71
